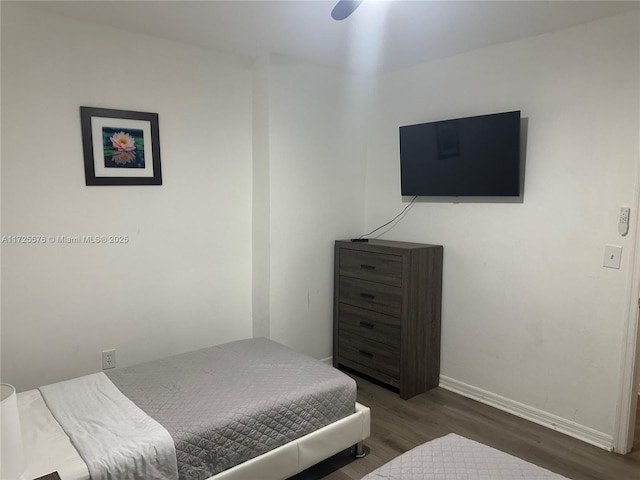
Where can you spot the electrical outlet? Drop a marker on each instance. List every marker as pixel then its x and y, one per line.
pixel 108 359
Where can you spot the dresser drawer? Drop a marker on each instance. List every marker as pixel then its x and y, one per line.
pixel 371 296
pixel 374 267
pixel 371 325
pixel 374 356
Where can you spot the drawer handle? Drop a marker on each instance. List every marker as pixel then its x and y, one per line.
pixel 367 267
pixel 365 354
pixel 367 296
pixel 367 325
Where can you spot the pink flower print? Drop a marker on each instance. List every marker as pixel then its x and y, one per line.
pixel 123 142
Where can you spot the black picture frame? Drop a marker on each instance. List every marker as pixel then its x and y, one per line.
pixel 121 147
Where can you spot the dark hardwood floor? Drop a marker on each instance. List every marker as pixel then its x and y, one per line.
pixel 399 425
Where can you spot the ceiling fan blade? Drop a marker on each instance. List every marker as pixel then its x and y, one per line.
pixel 344 8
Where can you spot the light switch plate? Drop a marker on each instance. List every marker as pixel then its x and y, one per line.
pixel 612 256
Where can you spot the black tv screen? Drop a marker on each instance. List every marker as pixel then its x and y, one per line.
pixel 472 156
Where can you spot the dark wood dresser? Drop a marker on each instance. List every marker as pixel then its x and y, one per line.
pixel 386 312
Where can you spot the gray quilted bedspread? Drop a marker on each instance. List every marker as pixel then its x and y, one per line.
pixel 229 403
pixel 453 457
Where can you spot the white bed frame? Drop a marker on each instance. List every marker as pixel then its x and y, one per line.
pixel 296 456
pixel 47 448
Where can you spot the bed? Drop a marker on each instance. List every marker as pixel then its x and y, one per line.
pixel 454 457
pixel 245 409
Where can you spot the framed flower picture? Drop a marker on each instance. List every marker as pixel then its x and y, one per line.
pixel 120 147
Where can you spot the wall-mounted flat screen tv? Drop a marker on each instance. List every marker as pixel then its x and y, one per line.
pixel 472 156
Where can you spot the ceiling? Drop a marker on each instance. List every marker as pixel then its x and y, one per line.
pixel 378 37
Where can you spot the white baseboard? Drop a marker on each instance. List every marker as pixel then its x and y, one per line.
pixel 540 417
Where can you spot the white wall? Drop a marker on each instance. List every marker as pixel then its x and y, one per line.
pixel 316 124
pixel 184 279
pixel 529 313
pixel 261 201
